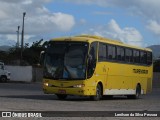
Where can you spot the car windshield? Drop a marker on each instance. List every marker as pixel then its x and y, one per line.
pixel 66 60
pixel 1 66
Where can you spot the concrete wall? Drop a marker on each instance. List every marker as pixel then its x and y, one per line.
pixel 37 74
pixel 20 73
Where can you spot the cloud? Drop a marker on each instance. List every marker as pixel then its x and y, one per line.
pixel 154 26
pixel 38 19
pixel 112 30
pixel 147 10
pixel 93 2
pixel 102 13
pixel 11 39
pixel 48 23
pixel 7 40
pixel 82 21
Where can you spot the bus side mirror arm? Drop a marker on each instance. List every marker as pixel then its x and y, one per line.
pixel 42 56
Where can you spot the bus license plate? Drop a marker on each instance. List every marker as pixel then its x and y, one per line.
pixel 62 91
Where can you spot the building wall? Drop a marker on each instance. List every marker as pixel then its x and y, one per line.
pixel 20 73
pixel 37 74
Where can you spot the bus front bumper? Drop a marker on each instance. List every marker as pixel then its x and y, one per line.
pixel 82 91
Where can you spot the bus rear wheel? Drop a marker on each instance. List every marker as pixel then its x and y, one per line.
pixel 138 93
pixel 98 95
pixel 61 96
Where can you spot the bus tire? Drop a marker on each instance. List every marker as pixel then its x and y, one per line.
pixel 108 97
pixel 61 96
pixel 98 95
pixel 138 93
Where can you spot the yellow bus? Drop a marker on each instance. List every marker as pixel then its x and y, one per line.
pixel 94 66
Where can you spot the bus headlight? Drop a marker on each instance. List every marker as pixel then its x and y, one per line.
pixel 46 84
pixel 79 86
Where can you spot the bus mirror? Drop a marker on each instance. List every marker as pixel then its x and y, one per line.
pixel 42 55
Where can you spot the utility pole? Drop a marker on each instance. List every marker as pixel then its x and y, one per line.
pixel 22 40
pixel 18 37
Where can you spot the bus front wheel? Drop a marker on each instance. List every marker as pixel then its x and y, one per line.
pixel 98 95
pixel 61 96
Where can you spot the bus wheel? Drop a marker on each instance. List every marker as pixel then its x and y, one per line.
pixel 138 93
pixel 108 97
pixel 98 95
pixel 61 96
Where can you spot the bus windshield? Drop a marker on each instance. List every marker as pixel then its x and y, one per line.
pixel 66 60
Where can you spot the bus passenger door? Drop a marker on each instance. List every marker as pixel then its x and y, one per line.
pixel 102 66
pixel 102 72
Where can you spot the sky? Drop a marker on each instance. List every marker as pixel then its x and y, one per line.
pixel 134 22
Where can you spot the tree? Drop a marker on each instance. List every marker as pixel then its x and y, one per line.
pixel 156 66
pixel 30 54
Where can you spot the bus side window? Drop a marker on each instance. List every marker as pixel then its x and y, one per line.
pixel 149 58
pixel 129 55
pixel 120 53
pixel 102 52
pixel 143 57
pixel 92 58
pixel 136 56
pixel 111 52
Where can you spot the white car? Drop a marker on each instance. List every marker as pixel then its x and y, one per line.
pixel 4 74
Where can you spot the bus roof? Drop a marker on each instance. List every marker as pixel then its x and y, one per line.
pixel 91 38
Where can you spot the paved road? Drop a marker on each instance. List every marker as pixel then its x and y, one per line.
pixel 30 97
